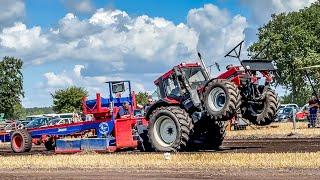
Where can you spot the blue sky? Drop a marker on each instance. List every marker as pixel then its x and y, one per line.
pixel 84 43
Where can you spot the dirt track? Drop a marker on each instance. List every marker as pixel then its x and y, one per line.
pixel 229 146
pixel 231 173
pixel 246 145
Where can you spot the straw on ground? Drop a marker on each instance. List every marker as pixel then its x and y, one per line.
pixel 275 130
pixel 188 161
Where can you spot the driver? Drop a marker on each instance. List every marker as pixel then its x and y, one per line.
pixel 124 109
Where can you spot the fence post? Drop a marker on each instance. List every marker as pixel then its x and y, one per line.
pixel 294 119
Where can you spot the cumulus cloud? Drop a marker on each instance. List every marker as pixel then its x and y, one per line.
pixel 11 11
pixel 79 6
pixel 18 37
pixel 218 31
pixel 112 44
pixel 110 37
pixel 262 9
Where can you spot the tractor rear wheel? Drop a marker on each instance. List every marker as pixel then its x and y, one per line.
pixel 21 141
pixel 221 99
pixel 169 128
pixel 265 113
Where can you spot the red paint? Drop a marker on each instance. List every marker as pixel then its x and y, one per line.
pixel 233 71
pixel 98 102
pixel 301 115
pixel 123 133
pixel 171 71
pixel 171 101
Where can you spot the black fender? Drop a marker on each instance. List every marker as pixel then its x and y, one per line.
pixel 161 103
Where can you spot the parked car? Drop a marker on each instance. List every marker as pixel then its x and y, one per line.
pixel 295 106
pixel 59 121
pixel 38 122
pixel 303 113
pixel 284 114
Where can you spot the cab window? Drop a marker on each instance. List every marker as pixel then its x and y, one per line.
pixel 171 87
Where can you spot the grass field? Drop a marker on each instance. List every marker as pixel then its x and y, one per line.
pixel 275 130
pixel 188 161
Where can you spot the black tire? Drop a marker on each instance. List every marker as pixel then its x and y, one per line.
pixel 50 144
pixel 231 99
pixel 21 141
pixel 268 112
pixel 211 137
pixel 216 134
pixel 183 127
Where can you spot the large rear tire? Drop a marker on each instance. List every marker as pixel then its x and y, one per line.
pixel 169 129
pixel 265 114
pixel 221 99
pixel 21 141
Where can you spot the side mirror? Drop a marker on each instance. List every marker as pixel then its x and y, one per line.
pixel 118 87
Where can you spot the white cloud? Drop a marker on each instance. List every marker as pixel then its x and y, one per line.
pixel 262 9
pixel 109 36
pixel 18 37
pixel 11 11
pixel 218 31
pixel 81 6
pixel 113 45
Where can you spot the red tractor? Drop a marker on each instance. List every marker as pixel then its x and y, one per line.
pixel 193 107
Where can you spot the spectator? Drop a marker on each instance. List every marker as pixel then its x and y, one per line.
pixel 124 110
pixel 148 105
pixel 313 110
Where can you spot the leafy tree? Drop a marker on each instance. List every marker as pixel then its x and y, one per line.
pixel 19 112
pixel 38 110
pixel 11 86
pixel 142 98
pixel 294 43
pixel 68 100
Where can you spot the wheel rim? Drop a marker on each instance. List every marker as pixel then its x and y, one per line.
pixel 17 142
pixel 166 131
pixel 217 99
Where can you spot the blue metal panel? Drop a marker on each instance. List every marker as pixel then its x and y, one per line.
pixel 71 129
pixel 105 102
pixel 94 144
pixel 68 144
pixel 5 138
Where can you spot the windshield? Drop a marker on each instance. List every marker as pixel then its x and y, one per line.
pixel 195 77
pixel 287 110
pixel 54 121
pixel 37 122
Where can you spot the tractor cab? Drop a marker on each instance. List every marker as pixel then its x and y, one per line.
pixel 175 83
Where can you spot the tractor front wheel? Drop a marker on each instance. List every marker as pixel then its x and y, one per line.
pixel 169 128
pixel 21 141
pixel 221 99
